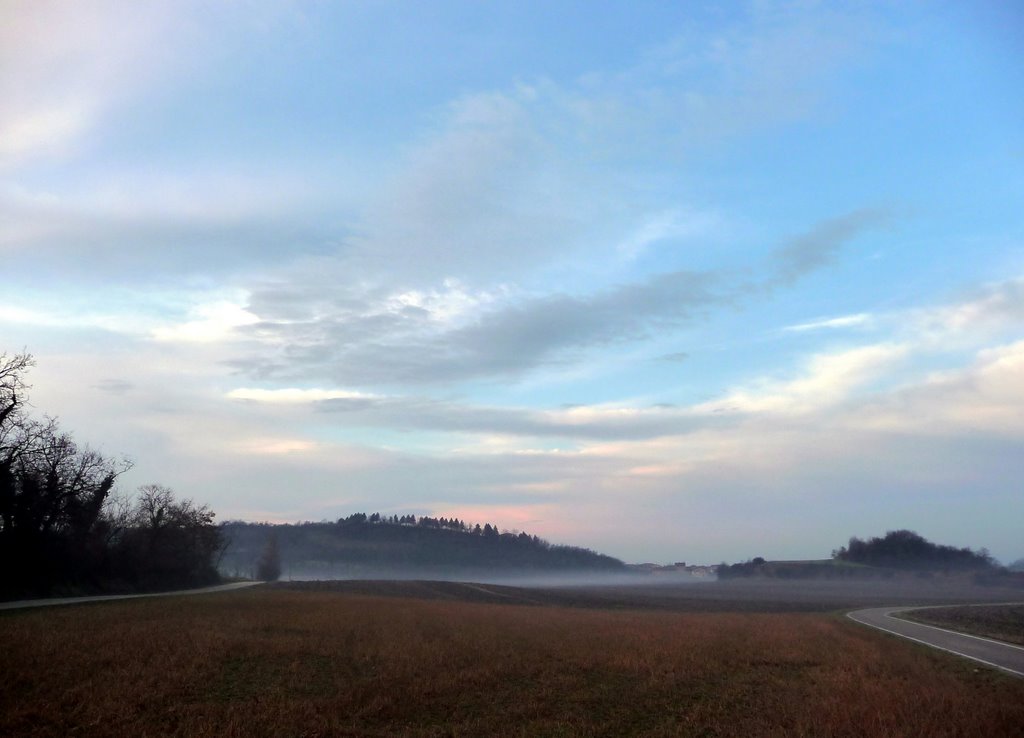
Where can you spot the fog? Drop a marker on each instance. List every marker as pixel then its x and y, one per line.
pixel 509 577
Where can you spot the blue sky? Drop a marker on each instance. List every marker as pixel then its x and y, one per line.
pixel 674 281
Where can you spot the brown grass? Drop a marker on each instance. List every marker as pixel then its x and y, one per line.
pixel 1001 622
pixel 735 595
pixel 278 662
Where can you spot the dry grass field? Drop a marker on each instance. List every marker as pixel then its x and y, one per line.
pixel 1002 622
pixel 279 662
pixel 738 595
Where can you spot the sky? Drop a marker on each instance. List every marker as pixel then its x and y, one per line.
pixel 671 281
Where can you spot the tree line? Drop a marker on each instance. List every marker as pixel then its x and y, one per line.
pixel 905 549
pixel 426 521
pixel 65 529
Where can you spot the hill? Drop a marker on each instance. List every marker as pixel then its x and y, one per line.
pixel 362 546
pixel 898 554
pixel 905 549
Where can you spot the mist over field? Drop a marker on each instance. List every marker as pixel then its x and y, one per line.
pixel 512 578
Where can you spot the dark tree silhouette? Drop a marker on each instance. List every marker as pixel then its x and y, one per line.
pixel 63 529
pixel 165 542
pixel 52 495
pixel 905 549
pixel 268 568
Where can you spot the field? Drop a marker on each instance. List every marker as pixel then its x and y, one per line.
pixel 738 595
pixel 466 660
pixel 1001 622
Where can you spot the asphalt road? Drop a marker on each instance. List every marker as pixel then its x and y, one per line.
pixel 51 601
pixel 1003 656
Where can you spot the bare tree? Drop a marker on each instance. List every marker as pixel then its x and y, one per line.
pixel 169 542
pixel 12 384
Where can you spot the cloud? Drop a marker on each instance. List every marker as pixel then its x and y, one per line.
pixel 212 322
pixel 114 386
pixel 770 66
pixel 669 225
pixel 907 453
pixel 159 228
pixel 70 318
pixel 396 341
pixel 363 334
pixel 577 423
pixel 41 130
pixel 294 395
pixel 541 171
pixel 979 314
pixel 820 246
pixel 853 387
pixel 485 193
pixel 989 309
pixel 844 321
pixel 985 397
pixel 829 379
pixel 539 331
pixel 272 446
pixel 65 65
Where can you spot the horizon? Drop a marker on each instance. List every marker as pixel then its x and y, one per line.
pixel 693 283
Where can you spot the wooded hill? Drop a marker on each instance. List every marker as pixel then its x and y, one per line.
pixel 905 549
pixel 367 546
pixel 897 553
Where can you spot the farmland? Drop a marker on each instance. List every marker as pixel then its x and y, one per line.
pixel 452 659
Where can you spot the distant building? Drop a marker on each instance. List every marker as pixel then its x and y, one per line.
pixel 679 567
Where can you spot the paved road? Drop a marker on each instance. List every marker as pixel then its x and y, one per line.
pixel 1004 656
pixel 51 601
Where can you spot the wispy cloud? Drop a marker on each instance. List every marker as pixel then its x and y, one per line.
pixel 579 423
pixel 989 309
pixel 828 380
pixel 844 321
pixel 374 337
pixel 212 322
pixel 66 66
pixel 375 343
pixel 114 386
pixel 293 395
pixel 821 245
